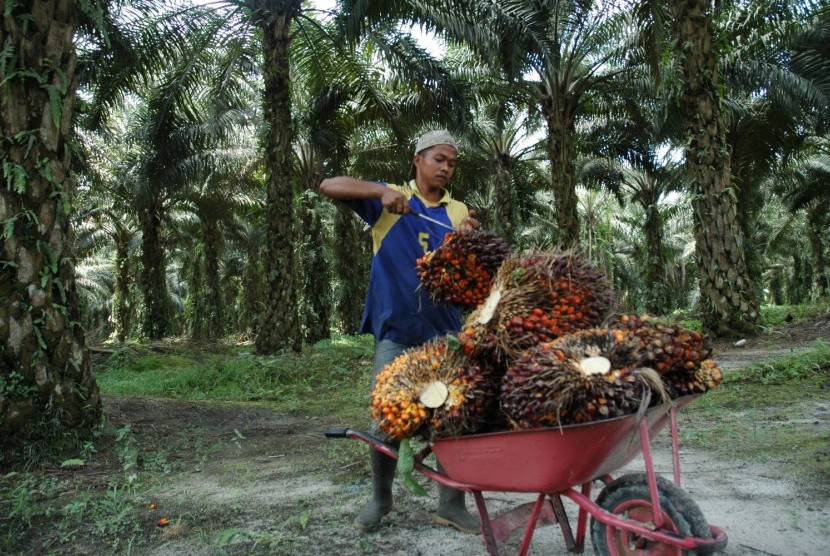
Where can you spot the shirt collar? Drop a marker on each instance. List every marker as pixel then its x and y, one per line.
pixel 444 200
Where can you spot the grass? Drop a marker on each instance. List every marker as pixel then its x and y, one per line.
pixel 769 413
pixel 331 376
pixel 771 315
pixel 776 315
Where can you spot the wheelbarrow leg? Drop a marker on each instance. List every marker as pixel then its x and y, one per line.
pixel 564 524
pixel 486 529
pixel 582 520
pixel 531 524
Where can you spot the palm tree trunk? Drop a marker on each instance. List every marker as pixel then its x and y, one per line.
pixel 154 272
pixel 315 276
pixel 252 286
pixel 816 227
pixel 352 260
pixel 121 314
pixel 505 224
pixel 728 306
pixel 47 388
pixel 560 121
pixel 279 325
pixel 213 302
pixel 657 300
pixel 799 286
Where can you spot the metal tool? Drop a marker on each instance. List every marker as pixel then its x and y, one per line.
pixel 428 219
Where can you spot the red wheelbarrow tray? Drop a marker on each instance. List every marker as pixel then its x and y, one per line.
pixel 548 460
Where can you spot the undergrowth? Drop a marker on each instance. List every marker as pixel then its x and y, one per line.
pixel 331 376
pixel 772 412
pixel 56 500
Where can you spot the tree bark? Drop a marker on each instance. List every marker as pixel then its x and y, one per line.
pixel 728 306
pixel 279 325
pixel 315 277
pixel 505 194
pixel 816 227
pixel 657 300
pixel 48 392
pixel 560 118
pixel 352 263
pixel 207 319
pixel 156 323
pixel 121 312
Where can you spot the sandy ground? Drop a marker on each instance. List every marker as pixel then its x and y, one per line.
pixel 758 507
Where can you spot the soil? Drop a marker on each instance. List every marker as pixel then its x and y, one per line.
pixel 243 479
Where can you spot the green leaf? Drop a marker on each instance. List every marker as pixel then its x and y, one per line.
pixel 40 341
pixel 227 536
pixel 405 466
pixel 413 486
pixel 8 227
pixel 304 517
pixel 406 458
pixel 73 463
pixel 452 343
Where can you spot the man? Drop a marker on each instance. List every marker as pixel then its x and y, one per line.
pixel 398 312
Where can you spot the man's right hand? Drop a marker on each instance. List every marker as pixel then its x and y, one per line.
pixel 394 201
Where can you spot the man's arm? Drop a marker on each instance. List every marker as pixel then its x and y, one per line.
pixel 345 188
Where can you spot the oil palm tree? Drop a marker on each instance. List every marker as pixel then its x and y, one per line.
pixel 728 303
pixel 564 55
pixel 47 389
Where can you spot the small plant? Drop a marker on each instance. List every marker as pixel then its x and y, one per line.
pixel 787 369
pixel 127 451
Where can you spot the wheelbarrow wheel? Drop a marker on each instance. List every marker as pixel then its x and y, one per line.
pixel 629 496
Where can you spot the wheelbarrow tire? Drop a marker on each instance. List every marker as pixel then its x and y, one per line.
pixel 622 495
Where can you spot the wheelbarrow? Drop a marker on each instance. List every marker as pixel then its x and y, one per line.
pixel 638 513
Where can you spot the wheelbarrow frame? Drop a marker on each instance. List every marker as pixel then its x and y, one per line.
pixel 553 463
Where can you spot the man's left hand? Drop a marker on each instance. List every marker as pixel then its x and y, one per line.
pixel 469 223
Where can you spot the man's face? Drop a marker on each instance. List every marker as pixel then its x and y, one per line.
pixel 436 165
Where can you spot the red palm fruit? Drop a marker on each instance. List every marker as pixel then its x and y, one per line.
pixel 461 270
pixel 666 347
pixel 395 402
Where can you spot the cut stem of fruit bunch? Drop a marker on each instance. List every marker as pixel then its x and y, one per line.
pixel 535 299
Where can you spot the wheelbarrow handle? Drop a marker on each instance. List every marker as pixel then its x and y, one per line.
pixel 391 450
pixel 371 439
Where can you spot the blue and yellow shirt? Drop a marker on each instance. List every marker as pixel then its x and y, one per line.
pixel 397 308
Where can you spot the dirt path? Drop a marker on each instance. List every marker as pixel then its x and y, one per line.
pixel 244 479
pixel 272 482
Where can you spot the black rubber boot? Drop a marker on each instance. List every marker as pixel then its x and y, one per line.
pixel 383 474
pixel 452 511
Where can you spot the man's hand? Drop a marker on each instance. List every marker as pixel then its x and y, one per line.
pixel 394 201
pixel 469 223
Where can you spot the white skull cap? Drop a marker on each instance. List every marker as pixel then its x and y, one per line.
pixel 435 137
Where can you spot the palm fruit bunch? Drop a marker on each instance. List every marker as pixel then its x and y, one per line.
pixel 472 399
pixel 397 406
pixel 683 382
pixel 535 299
pixel 665 348
pixel 583 377
pixel 461 270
